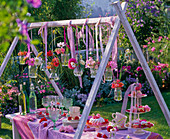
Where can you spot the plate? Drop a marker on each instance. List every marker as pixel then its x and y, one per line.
pixel 143 95
pixel 128 110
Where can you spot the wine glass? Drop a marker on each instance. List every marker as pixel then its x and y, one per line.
pixel 45 102
pixel 54 115
pixel 68 102
pixel 60 100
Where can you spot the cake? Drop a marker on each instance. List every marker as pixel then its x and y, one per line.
pixel 97 120
pixel 141 109
pixel 141 124
pixel 73 117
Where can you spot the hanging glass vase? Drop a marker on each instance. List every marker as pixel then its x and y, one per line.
pixel 108 74
pixel 93 72
pixel 53 75
pixel 117 94
pixel 64 59
pixel 43 66
pixel 21 60
pixel 78 71
pixel 32 71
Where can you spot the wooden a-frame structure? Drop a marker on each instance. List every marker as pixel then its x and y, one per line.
pixel 120 9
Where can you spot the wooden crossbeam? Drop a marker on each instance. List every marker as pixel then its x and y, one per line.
pixel 142 60
pixel 89 21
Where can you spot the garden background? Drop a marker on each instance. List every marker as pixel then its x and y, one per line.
pixel 148 19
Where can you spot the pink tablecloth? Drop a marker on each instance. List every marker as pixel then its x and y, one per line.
pixel 34 130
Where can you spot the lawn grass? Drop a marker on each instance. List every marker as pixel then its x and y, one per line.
pixel 155 116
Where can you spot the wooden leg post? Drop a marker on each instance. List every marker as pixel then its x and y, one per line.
pixel 100 72
pixel 143 62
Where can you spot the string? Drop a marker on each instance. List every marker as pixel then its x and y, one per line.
pixel 65 38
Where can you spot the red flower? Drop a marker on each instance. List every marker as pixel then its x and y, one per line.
pixel 45 124
pixel 55 62
pixel 99 135
pixel 109 127
pixel 69 118
pixel 104 136
pixel 76 118
pixel 49 53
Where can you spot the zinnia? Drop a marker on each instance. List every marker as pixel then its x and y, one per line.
pixel 72 63
pixel 49 53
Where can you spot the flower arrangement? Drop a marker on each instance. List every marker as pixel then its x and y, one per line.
pixel 112 130
pixel 90 63
pixel 72 63
pixel 77 64
pixel 111 64
pixel 60 48
pixel 54 63
pixel 117 84
pixel 22 53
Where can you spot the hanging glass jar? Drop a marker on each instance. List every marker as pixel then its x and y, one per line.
pixel 64 59
pixel 117 94
pixel 108 74
pixel 43 66
pixel 93 72
pixel 54 75
pixel 21 60
pixel 32 71
pixel 78 71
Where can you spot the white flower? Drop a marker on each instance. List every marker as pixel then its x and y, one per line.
pixel 127 51
pixel 82 62
pixel 73 64
pixel 37 61
pixel 60 44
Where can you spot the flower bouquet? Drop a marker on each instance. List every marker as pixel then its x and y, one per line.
pixel 117 92
pixel 22 57
pixel 63 51
pixel 77 64
pixel 93 65
pixel 52 66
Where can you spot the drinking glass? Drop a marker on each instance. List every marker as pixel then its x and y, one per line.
pixel 54 115
pixel 45 102
pixel 60 100
pixel 68 102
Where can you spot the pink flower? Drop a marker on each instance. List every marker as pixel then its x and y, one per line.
pixel 30 62
pixel 62 129
pixel 161 51
pixel 62 50
pixel 113 64
pixel 72 63
pixel 153 41
pixel 160 37
pixel 57 50
pixel 139 68
pixel 149 42
pixel 158 56
pixel 159 40
pixel 128 67
pixel 153 49
pixel 145 46
pixel 43 91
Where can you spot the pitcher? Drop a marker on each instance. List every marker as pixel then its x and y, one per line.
pixel 119 119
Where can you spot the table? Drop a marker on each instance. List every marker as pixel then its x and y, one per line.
pixel 32 129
